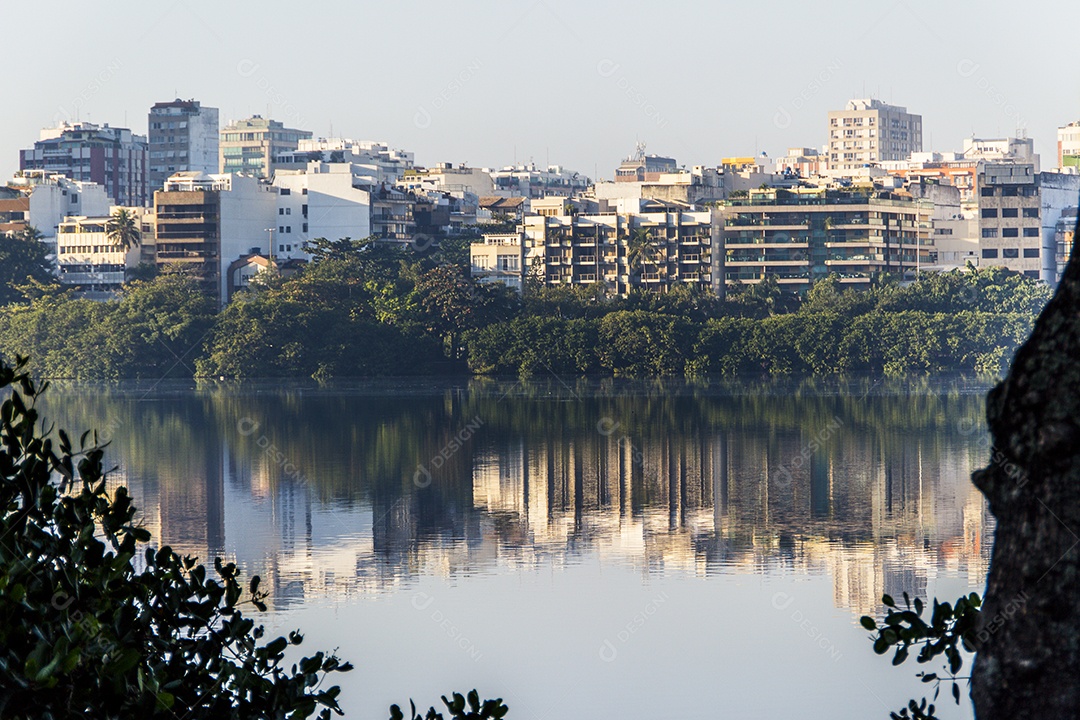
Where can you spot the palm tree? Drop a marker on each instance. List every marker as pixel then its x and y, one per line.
pixel 123 230
pixel 640 250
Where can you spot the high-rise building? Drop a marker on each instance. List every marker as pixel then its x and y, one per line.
pixel 204 222
pixel 109 156
pixel 183 136
pixel 251 146
pixel 869 131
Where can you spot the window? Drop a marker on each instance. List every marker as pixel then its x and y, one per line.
pixel 1031 232
pixel 989 232
pixel 989 253
pixel 286 191
pixel 281 211
pixel 1031 212
pixel 987 192
pixel 1010 232
pixel 989 212
pixel 1031 273
pixel 1031 252
pixel 305 227
pixel 1010 253
pixel 281 228
pixel 288 211
pixel 288 228
pixel 1010 212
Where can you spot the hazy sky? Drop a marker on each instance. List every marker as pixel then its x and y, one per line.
pixel 570 82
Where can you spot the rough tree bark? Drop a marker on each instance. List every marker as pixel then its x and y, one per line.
pixel 1028 661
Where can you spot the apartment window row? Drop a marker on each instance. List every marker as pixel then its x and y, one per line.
pixel 1010 253
pixel 1029 212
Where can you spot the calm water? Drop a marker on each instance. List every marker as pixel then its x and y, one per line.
pixel 598 549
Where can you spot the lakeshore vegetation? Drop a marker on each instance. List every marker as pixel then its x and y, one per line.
pixel 361 308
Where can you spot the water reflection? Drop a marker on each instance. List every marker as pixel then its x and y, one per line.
pixel 359 489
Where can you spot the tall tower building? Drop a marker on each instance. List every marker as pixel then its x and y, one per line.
pixel 109 156
pixel 251 146
pixel 869 131
pixel 183 137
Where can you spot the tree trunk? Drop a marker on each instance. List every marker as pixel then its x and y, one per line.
pixel 1028 661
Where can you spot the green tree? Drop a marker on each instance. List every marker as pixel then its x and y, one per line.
pixel 24 259
pixel 642 250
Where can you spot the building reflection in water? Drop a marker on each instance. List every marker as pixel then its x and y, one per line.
pixel 325 499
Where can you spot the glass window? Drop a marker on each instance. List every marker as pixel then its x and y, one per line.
pixel 988 192
pixel 1010 253
pixel 1010 212
pixel 1010 232
pixel 1031 252
pixel 989 253
pixel 989 232
pixel 1031 212
pixel 989 212
pixel 1031 232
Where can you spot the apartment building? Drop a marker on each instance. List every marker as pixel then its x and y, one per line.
pixel 869 131
pixel 183 135
pixel 802 235
pixel 527 180
pixel 655 246
pixel 1019 210
pixel 447 177
pixel 88 260
pixel 112 157
pixel 640 167
pixel 500 257
pixel 204 222
pixel 376 162
pixel 324 200
pixel 51 198
pixel 251 146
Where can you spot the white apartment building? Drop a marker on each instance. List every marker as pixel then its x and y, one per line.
pixel 55 197
pixel 869 131
pixel 499 258
pixel 88 260
pixel 446 177
pixel 324 200
pixel 376 162
pixel 527 180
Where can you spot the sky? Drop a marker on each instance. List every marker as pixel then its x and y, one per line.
pixel 570 82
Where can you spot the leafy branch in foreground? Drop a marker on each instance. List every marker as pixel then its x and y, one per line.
pixel 86 631
pixel 951 627
pixel 476 710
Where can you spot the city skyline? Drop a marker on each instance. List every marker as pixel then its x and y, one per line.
pixel 587 94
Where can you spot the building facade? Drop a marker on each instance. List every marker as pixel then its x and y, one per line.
pixel 251 146
pixel 89 261
pixel 800 236
pixel 55 197
pixel 204 222
pixel 183 135
pixel 655 248
pixel 114 158
pixel 323 201
pixel 869 131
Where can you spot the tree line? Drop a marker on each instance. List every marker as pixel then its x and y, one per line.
pixel 365 308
